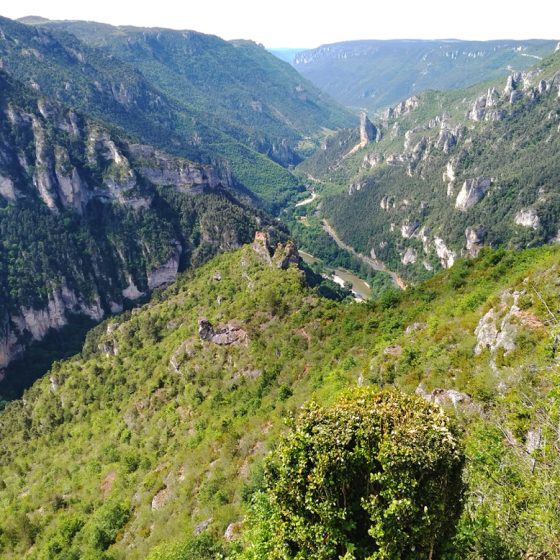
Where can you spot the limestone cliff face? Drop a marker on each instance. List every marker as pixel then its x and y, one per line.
pixel 57 161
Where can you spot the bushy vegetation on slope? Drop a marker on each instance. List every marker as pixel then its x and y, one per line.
pixel 154 434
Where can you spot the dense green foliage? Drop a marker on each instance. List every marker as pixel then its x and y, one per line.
pixel 85 215
pixel 121 426
pixel 377 475
pixel 376 74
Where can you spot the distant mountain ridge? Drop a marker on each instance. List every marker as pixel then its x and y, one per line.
pixel 193 95
pixel 377 73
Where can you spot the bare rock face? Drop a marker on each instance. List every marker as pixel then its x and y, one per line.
pixel 475 239
pixel 282 255
pixel 396 159
pixel 161 498
pixel 261 246
pixel 444 397
pixel 166 272
pixel 372 160
pixel 410 256
pixel 402 108
pixel 479 109
pixel 224 335
pixel 449 176
pixel 164 170
pixel 233 531
pixel 447 140
pixel 446 256
pixel 472 191
pixel 528 218
pixel 286 255
pixel 499 327
pixel 368 132
pixel 408 229
pixel 7 189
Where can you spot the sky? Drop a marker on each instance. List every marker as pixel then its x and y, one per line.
pixel 310 23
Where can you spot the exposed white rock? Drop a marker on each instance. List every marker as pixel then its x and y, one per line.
pixel 7 189
pixel 408 229
pixel 475 238
pixel 447 140
pixel 131 292
pixel 368 132
pixel 165 273
pixel 396 159
pixel 444 397
pixel 164 170
pixel 543 86
pixel 427 265
pixel 528 218
pixel 387 203
pixel 446 256
pixel 449 177
pixel 472 191
pixel 479 109
pixel 372 160
pixel 409 256
pixel 402 108
pixel 423 235
pixel 499 327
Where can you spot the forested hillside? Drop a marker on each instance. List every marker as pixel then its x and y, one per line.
pixel 90 221
pixel 444 174
pixel 158 429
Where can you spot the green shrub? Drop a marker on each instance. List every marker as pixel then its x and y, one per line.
pixel 377 475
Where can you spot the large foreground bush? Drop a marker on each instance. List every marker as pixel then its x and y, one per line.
pixel 376 476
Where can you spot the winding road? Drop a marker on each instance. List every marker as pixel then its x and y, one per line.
pixel 373 263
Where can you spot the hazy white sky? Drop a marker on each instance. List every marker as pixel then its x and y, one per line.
pixel 309 23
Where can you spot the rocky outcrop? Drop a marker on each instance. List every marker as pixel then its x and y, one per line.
pixel 7 189
pixel 233 531
pixel 372 160
pixel 445 397
pixel 409 257
pixel 446 256
pixel 472 191
pixel 283 255
pixel 449 176
pixel 181 356
pixel 368 132
pixel 33 324
pixel 528 218
pixel 499 327
pixel 387 203
pixel 224 335
pixel 166 272
pixel 396 159
pixel 482 105
pixel 163 170
pixel 475 239
pixel 161 498
pixel 402 108
pixel 408 229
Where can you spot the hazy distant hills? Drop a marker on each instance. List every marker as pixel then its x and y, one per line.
pixel 373 74
pixel 194 95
